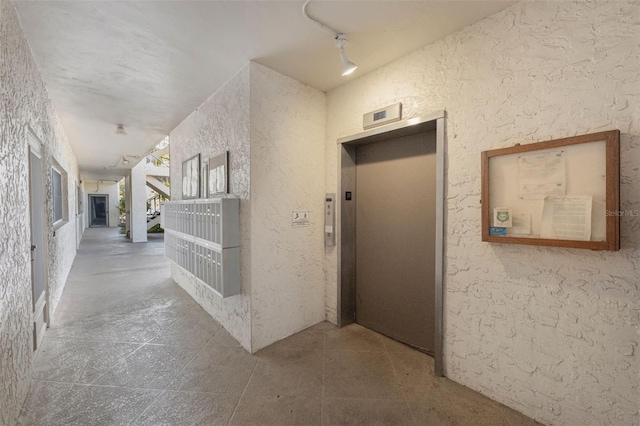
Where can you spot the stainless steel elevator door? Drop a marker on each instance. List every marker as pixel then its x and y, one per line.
pixel 395 238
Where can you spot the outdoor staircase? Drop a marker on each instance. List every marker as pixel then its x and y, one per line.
pixel 153 222
pixel 158 186
pixel 157 178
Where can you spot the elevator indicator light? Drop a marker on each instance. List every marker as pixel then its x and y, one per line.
pixel 380 115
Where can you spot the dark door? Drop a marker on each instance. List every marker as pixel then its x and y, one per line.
pixel 98 210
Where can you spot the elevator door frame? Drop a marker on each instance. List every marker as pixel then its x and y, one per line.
pixel 347 218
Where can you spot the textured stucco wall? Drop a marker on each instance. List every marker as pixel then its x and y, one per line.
pixel 25 104
pixel 273 127
pixel 287 173
pixel 550 332
pixel 112 189
pixel 220 124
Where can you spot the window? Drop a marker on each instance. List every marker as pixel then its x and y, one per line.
pixel 60 204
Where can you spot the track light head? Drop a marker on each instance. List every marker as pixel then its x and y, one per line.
pixel 124 160
pixel 348 67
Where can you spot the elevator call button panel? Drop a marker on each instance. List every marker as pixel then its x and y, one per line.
pixel 330 220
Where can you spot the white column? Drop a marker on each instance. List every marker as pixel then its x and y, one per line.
pixel 138 203
pixel 127 204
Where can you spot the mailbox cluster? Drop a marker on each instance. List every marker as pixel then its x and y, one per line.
pixel 203 237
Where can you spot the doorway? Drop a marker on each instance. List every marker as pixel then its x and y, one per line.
pixel 391 228
pixel 38 227
pixel 98 211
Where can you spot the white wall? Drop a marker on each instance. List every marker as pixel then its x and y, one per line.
pixel 112 189
pixel 127 204
pixel 220 124
pixel 287 173
pixel 550 332
pixel 26 105
pixel 273 127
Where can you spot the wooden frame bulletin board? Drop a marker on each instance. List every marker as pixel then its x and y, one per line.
pixel 559 193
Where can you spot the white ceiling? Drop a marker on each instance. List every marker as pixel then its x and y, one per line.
pixel 149 64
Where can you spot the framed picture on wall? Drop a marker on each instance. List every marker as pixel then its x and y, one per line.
pixel 191 177
pixel 218 174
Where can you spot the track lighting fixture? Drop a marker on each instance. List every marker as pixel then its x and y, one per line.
pixel 348 67
pixel 120 129
pixel 124 160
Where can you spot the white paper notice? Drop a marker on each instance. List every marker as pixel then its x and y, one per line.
pixel 221 180
pixel 521 224
pixel 185 186
pixel 567 218
pixel 541 175
pixel 213 181
pixel 217 179
pixel 194 178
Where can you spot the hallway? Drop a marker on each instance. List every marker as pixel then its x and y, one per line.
pixel 129 346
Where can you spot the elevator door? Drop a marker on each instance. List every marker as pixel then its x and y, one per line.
pixel 395 238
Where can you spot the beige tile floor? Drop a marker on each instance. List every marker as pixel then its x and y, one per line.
pixel 129 346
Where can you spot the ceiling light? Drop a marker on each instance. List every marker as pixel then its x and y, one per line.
pixel 120 129
pixel 348 67
pixel 124 160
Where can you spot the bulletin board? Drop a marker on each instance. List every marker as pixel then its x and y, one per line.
pixel 560 193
